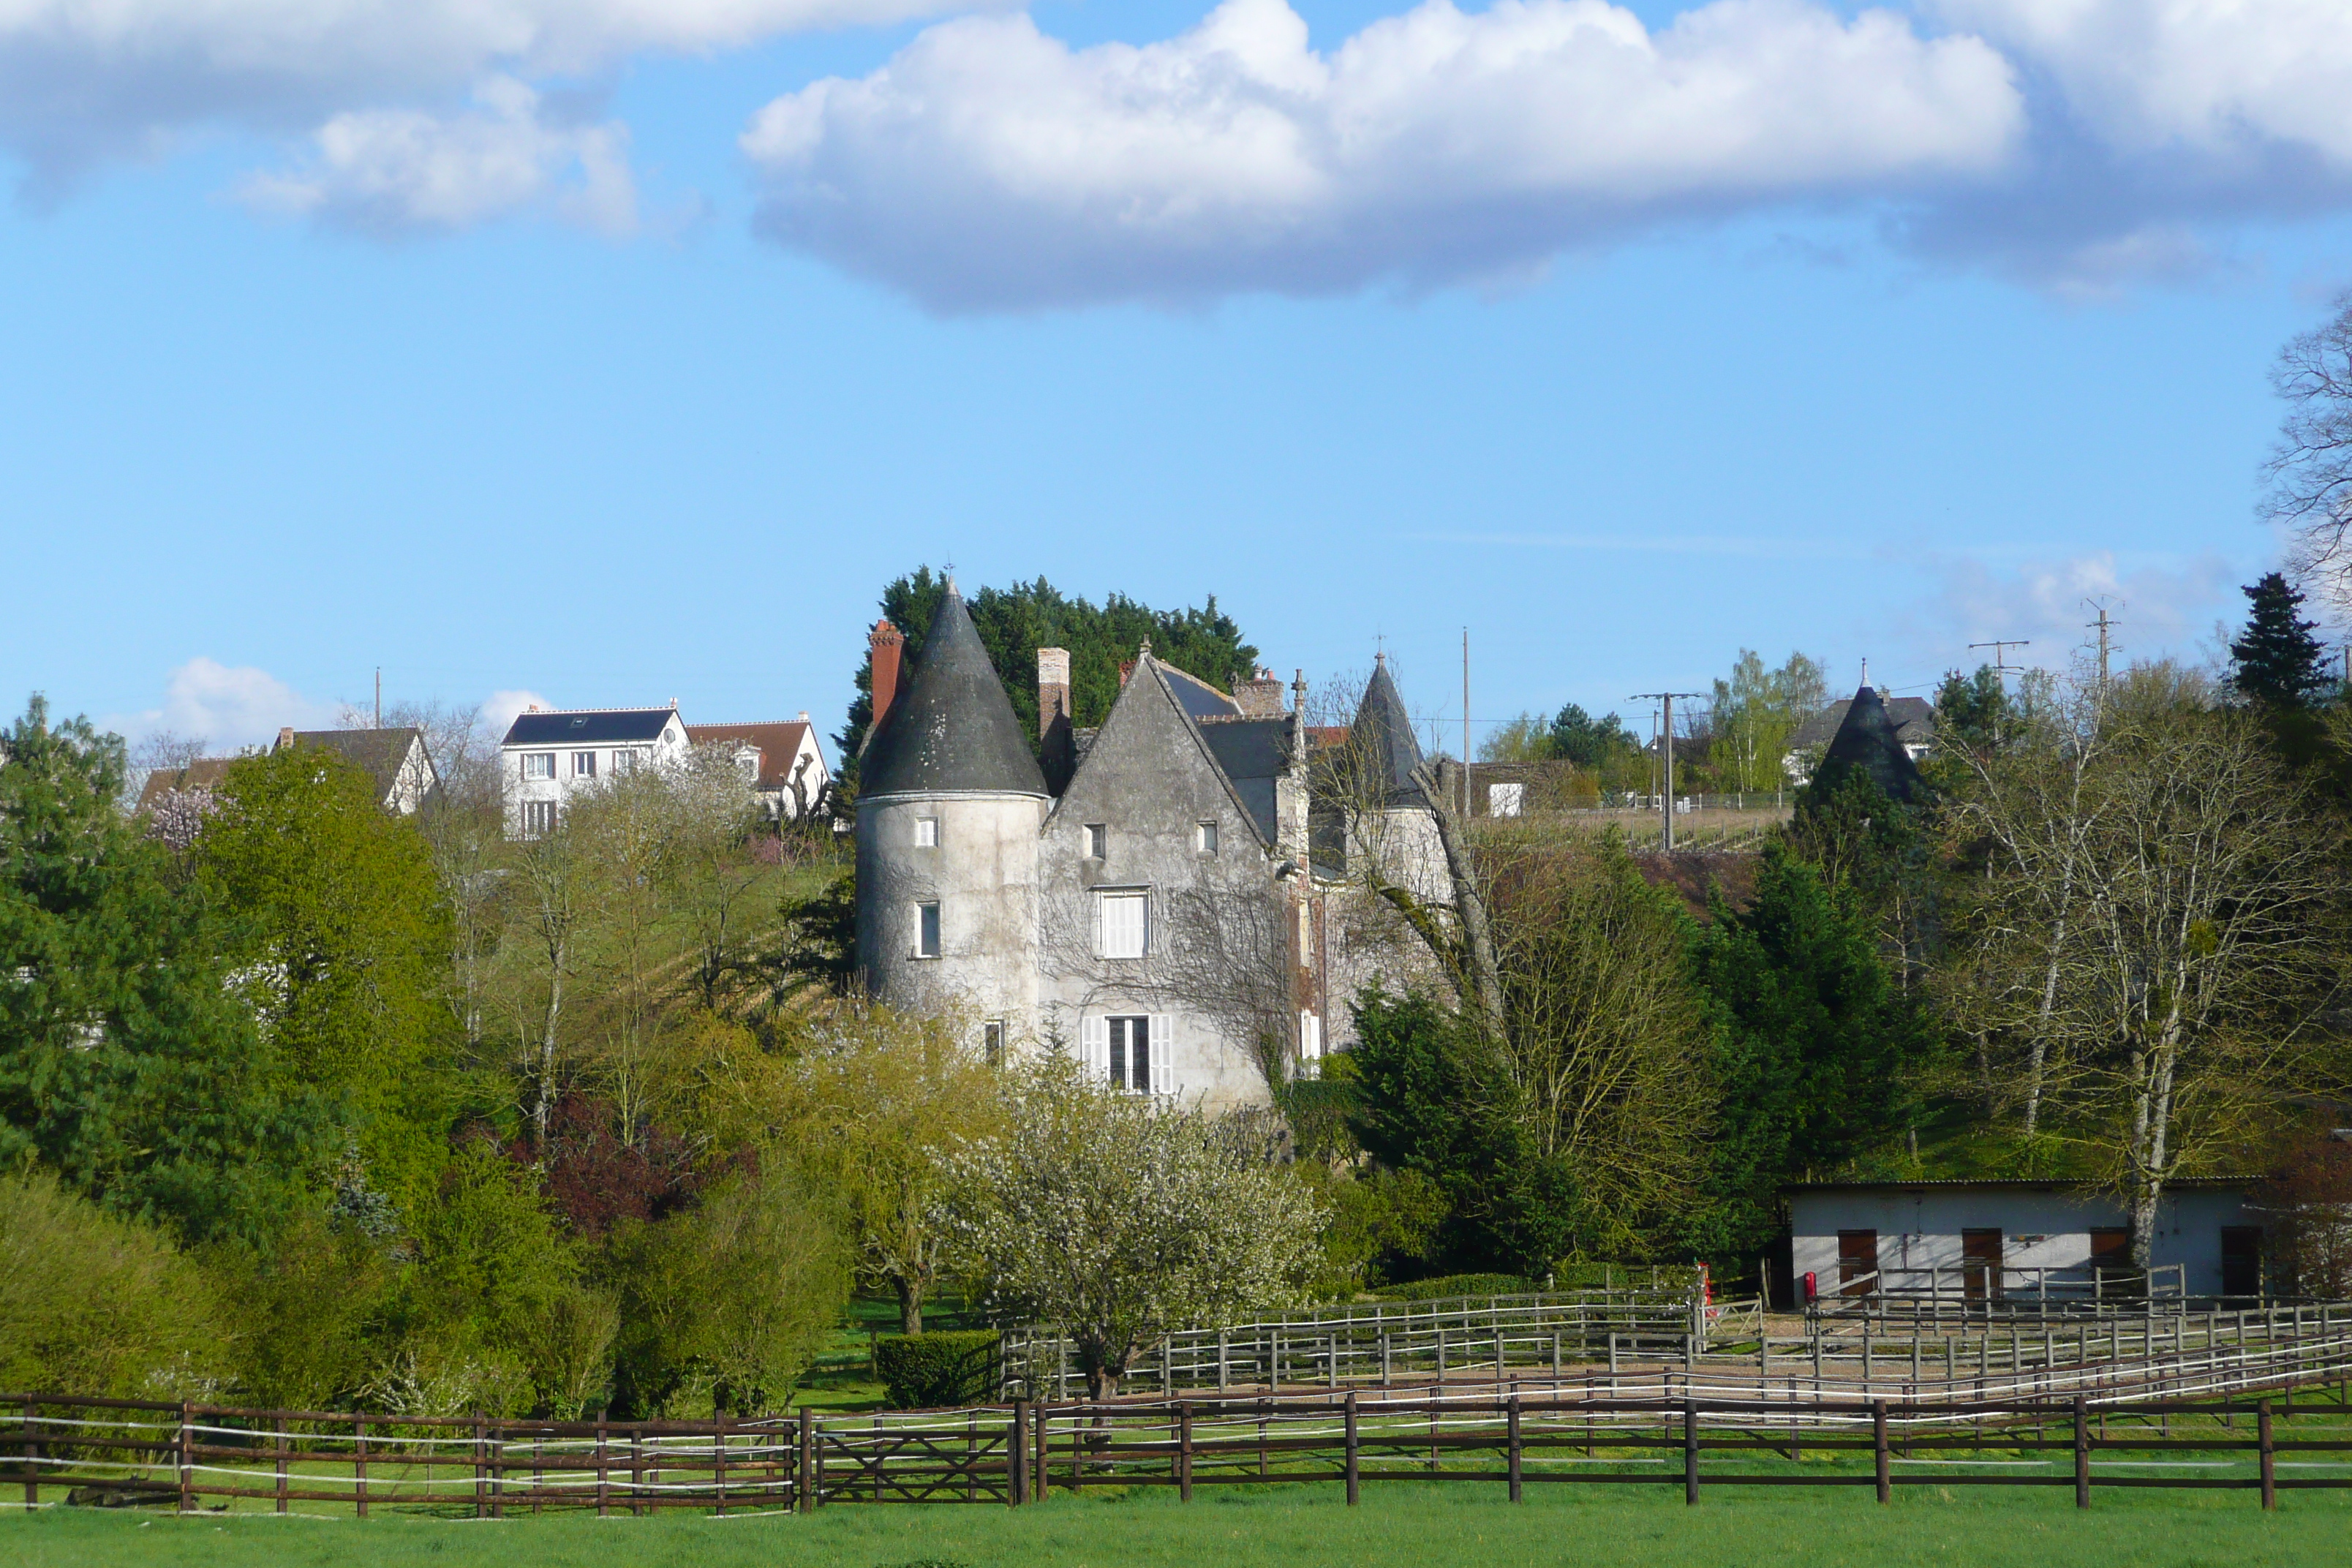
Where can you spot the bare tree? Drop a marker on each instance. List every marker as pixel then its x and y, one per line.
pixel 2310 469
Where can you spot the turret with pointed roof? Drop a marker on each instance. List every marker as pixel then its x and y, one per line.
pixel 950 729
pixel 1383 736
pixel 1866 743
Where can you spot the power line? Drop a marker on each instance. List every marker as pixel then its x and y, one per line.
pixel 1666 748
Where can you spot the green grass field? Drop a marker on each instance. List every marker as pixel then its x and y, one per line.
pixel 1404 1524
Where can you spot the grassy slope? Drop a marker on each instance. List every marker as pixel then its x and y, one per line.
pixel 1405 1524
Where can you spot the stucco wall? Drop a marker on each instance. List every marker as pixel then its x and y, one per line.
pixel 2041 1227
pixel 983 875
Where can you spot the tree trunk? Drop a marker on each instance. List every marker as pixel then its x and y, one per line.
pixel 547 1044
pixel 1485 972
pixel 910 1305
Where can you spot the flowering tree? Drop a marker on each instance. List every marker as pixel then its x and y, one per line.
pixel 1120 1218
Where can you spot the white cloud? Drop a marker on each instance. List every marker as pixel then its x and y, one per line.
pixel 2208 75
pixel 227 707
pixel 389 171
pixel 989 165
pixel 85 81
pixel 2161 606
pixel 500 710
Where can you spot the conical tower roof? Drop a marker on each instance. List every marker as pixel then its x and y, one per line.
pixel 950 729
pixel 1384 731
pixel 1865 741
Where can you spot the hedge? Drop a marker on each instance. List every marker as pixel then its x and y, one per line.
pixel 951 1368
pixel 1448 1285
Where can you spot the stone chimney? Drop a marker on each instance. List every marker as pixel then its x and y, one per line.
pixel 1259 697
pixel 285 738
pixel 1053 688
pixel 887 644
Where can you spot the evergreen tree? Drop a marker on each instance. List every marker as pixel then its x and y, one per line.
pixel 1815 1050
pixel 1015 623
pixel 130 1061
pixel 2276 660
pixel 1580 738
pixel 1973 710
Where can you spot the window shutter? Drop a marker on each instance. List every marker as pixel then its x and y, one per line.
pixel 1163 1054
pixel 1095 1034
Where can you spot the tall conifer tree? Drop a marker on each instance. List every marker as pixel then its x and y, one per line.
pixel 2276 660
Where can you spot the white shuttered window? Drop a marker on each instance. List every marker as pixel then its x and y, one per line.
pixel 1122 924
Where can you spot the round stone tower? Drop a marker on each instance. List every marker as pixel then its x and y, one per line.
pixel 949 801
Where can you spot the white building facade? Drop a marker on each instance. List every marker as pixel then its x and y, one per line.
pixel 550 755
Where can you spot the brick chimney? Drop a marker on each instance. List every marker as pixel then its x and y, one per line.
pixel 285 739
pixel 887 644
pixel 1260 697
pixel 1053 687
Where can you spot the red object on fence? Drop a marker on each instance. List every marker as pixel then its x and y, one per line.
pixel 1811 1292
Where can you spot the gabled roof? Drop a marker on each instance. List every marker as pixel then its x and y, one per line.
pixel 1254 753
pixel 380 752
pixel 1200 698
pixel 1865 741
pixel 950 729
pixel 588 726
pixel 778 744
pixel 205 773
pixel 1384 730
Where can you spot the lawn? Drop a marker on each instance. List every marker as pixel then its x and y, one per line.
pixel 1407 1524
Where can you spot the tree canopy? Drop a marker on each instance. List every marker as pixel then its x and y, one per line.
pixel 2277 659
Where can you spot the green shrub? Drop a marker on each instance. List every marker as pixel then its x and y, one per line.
pixel 95 1304
pixel 926 1370
pixel 1450 1285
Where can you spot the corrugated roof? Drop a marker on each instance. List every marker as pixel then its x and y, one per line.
pixel 951 728
pixel 588 727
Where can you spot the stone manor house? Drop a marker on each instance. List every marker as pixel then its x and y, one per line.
pixel 1179 896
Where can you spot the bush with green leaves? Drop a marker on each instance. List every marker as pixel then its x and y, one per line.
pixel 93 1303
pixel 926 1370
pixel 1446 1287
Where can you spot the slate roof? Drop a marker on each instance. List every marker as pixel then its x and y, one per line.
pixel 1866 740
pixel 1254 752
pixel 1197 697
pixel 588 727
pixel 380 752
pixel 1384 727
pixel 779 743
pixel 950 728
pixel 1913 719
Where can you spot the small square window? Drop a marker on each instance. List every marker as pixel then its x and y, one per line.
pixel 583 765
pixel 927 833
pixel 1204 838
pixel 927 930
pixel 992 1042
pixel 1098 841
pixel 538 764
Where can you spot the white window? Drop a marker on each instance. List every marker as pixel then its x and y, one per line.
pixel 1204 838
pixel 927 833
pixel 750 763
pixel 1131 1054
pixel 992 1042
pixel 538 817
pixel 1098 841
pixel 538 764
pixel 1310 1038
pixel 927 930
pixel 583 765
pixel 624 762
pixel 1122 924
pixel 1505 799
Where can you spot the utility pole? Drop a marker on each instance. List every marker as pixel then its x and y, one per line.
pixel 1667 750
pixel 2104 625
pixel 2002 667
pixel 379 697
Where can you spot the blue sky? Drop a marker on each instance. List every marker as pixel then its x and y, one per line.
pixel 623 363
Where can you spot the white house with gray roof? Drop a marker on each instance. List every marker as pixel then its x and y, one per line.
pixel 551 754
pixel 1155 907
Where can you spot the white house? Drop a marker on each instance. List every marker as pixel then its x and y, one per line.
pixel 549 754
pixel 1969 1239
pixel 783 762
pixel 396 758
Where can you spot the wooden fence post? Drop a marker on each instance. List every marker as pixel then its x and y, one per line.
pixel 2081 1452
pixel 817 1463
pixel 1184 1450
pixel 719 1457
pixel 481 1475
pixel 803 1494
pixel 358 1464
pixel 496 1452
pixel 604 1470
pixel 1016 1456
pixel 1514 1450
pixel 1041 1473
pixel 32 1458
pixel 188 1460
pixel 1354 1466
pixel 1878 1443
pixel 2269 1454
pixel 1690 1451
pixel 282 1443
